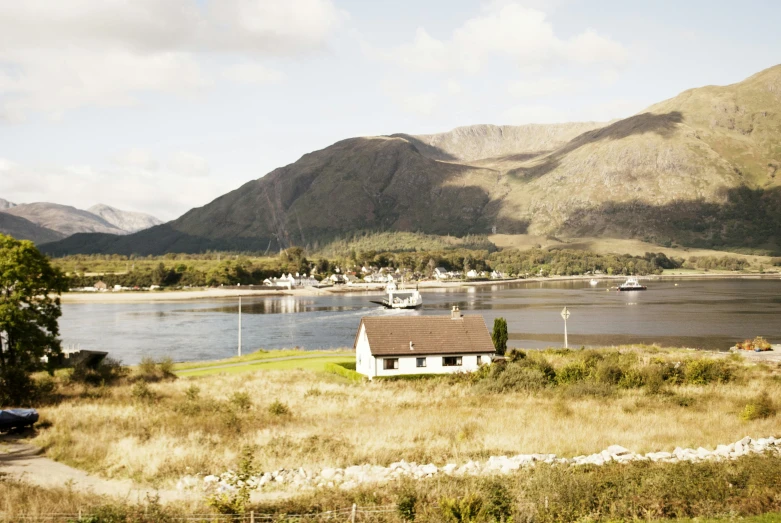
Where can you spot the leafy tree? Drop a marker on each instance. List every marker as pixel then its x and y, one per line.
pixel 29 309
pixel 499 336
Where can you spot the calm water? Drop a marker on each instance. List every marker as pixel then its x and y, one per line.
pixel 712 314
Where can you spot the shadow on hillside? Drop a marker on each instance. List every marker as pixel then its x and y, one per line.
pixel 747 218
pixel 663 125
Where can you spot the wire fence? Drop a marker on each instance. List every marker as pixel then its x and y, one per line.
pixel 349 514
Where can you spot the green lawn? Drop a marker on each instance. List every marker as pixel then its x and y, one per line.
pixel 259 355
pixel 316 362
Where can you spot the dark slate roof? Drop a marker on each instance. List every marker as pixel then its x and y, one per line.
pixel 428 334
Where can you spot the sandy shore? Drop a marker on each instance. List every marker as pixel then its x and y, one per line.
pixel 235 292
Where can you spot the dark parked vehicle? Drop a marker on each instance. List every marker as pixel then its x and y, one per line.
pixel 17 418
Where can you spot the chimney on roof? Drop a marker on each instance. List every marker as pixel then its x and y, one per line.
pixel 411 346
pixel 455 314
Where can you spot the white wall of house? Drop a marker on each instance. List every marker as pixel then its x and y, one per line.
pixel 364 361
pixel 434 364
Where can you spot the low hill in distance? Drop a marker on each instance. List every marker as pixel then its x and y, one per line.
pixel 697 170
pixel 126 220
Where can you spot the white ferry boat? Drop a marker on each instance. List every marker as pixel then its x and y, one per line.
pixel 401 299
pixel 631 284
pixel 594 282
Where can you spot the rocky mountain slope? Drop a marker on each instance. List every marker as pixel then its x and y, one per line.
pixel 26 230
pixel 699 169
pixel 126 220
pixel 53 221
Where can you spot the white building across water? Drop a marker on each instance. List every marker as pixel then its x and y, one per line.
pixel 396 345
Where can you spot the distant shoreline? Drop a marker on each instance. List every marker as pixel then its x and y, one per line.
pixel 236 292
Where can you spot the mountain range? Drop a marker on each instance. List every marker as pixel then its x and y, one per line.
pixel 47 222
pixel 699 169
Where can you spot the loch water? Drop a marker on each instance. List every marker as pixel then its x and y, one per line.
pixel 703 313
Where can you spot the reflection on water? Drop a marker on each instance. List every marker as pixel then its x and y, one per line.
pixel 696 313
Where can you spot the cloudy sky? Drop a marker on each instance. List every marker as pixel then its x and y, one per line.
pixel 162 105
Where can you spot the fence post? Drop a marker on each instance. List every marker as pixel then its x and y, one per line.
pixel 79 514
pixel 355 509
pixel 251 516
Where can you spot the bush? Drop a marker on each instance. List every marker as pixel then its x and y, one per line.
pixel 461 510
pixel 498 502
pixel 607 372
pixel 142 392
pixel 107 372
pixel 405 506
pixel 514 377
pixel 589 389
pixel 278 409
pixel 192 393
pixel 571 373
pixel 152 370
pixel 241 400
pixel 631 379
pixel 343 371
pixel 514 355
pixel 704 371
pixel 760 408
pixel 17 388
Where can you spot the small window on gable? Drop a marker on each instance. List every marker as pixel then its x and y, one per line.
pixel 420 362
pixel 479 359
pixel 390 363
pixel 451 361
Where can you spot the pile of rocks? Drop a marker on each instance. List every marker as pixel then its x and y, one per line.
pixel 351 477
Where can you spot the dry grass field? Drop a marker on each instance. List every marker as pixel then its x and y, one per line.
pixel 157 429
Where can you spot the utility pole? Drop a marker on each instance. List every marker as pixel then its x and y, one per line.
pixel 565 315
pixel 239 325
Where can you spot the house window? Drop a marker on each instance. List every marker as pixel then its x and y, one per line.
pixel 420 362
pixel 479 359
pixel 451 361
pixel 390 363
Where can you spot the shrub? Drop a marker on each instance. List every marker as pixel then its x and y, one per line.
pixel 277 408
pixel 343 371
pixel 540 363
pixel 107 372
pixel 241 400
pixel 17 388
pixel 461 510
pixel 152 370
pixel 514 377
pixel 514 355
pixel 607 372
pixel 704 371
pixel 405 505
pixel 142 392
pixel 192 393
pixel 234 502
pixel 760 408
pixel 571 373
pixel 631 379
pixel 498 502
pixel 588 388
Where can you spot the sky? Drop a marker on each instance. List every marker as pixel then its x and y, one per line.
pixel 160 106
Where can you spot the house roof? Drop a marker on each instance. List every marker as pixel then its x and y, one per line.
pixel 391 336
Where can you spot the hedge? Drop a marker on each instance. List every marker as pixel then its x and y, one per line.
pixel 342 369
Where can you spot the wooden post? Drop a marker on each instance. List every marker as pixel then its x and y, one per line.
pixel 251 516
pixel 79 514
pixel 355 509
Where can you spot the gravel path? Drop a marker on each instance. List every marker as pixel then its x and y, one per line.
pixel 23 462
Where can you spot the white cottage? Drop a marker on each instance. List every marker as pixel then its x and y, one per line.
pixel 395 345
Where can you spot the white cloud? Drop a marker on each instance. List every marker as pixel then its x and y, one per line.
pixel 188 164
pixel 249 73
pixel 164 192
pixel 545 86
pixel 453 87
pixel 601 112
pixel 137 158
pixel 59 56
pixel 505 29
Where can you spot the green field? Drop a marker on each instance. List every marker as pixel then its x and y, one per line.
pixel 259 360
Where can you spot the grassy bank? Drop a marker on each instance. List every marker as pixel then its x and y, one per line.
pixel 265 360
pixel 157 428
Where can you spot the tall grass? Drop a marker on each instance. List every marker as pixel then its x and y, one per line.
pixel 199 425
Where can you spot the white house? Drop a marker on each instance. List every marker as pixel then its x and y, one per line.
pixel 441 273
pixel 396 345
pixel 472 274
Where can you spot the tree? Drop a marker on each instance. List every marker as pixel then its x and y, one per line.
pixel 29 309
pixel 499 335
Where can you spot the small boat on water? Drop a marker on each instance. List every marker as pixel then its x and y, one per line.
pixel 631 284
pixel 594 282
pixel 401 299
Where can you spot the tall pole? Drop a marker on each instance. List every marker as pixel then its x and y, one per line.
pixel 239 325
pixel 566 345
